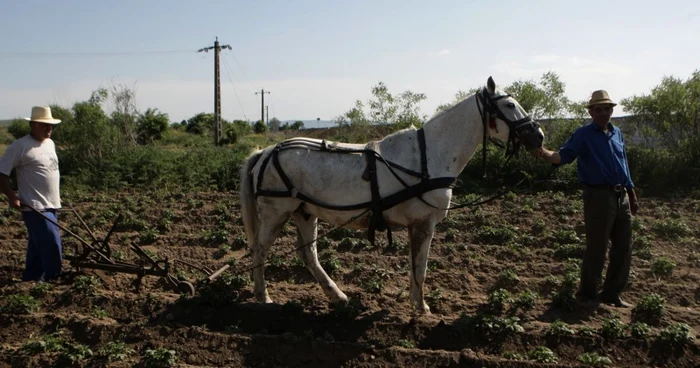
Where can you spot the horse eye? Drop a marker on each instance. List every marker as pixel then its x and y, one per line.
pixel 511 105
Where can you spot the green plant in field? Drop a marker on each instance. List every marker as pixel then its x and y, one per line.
pixel 587 331
pixel 525 300
pixel 512 355
pixel 74 353
pixel 160 358
pixel 677 334
pixel 329 262
pixel 85 285
pixel 559 328
pixel 223 290
pixel 20 304
pixel 148 236
pixel 488 326
pixel 562 236
pixel 662 266
pixel 41 289
pixel 497 300
pixel 639 330
pixel 612 328
pixel 566 251
pixel 539 226
pixel 239 242
pixel 404 343
pixel 49 343
pixel 496 235
pixel 507 279
pixel 99 313
pixel 671 228
pixel 542 354
pixel 114 351
pixel 373 285
pixel 649 309
pixel 594 360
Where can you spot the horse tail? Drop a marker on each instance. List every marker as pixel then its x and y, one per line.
pixel 249 207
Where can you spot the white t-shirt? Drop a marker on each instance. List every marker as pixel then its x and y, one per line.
pixel 36 165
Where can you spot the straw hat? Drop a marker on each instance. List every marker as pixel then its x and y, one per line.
pixel 600 97
pixel 42 114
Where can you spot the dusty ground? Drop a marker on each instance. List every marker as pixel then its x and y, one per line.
pixel 521 243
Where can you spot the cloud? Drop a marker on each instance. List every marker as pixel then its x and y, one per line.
pixel 544 58
pixel 444 52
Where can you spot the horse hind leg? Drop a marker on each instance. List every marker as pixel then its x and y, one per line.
pixel 307 231
pixel 420 237
pixel 271 223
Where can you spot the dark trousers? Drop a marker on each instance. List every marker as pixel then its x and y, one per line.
pixel 608 219
pixel 44 252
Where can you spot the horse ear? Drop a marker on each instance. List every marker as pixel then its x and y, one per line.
pixel 491 85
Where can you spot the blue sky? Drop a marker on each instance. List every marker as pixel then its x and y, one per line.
pixel 318 57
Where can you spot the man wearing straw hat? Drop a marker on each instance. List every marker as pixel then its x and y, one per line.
pixel 609 200
pixel 33 157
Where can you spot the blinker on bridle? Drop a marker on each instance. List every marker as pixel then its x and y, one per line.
pixel 517 129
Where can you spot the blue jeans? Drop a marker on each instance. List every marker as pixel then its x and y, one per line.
pixel 44 253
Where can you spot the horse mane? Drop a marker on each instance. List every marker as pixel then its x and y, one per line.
pixel 454 104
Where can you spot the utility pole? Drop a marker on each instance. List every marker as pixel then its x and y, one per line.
pixel 217 88
pixel 262 104
pixel 267 113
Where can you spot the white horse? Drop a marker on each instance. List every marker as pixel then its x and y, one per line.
pixel 307 179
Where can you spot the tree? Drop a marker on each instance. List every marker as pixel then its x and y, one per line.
pixel 18 128
pixel 386 109
pixel 200 123
pixel 259 127
pixel 274 124
pixel 671 112
pixel 151 125
pixel 297 125
pixel 545 99
pixel 125 113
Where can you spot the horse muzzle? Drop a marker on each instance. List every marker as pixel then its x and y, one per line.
pixel 530 136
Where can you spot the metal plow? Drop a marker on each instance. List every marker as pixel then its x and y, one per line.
pixel 98 255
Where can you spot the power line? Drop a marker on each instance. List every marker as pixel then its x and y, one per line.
pixel 90 54
pixel 228 72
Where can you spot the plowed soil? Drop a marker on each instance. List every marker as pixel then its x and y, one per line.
pixel 524 242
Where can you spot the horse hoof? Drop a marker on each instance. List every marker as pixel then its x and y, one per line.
pixel 424 310
pixel 340 299
pixel 263 299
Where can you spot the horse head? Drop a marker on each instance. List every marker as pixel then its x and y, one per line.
pixel 506 122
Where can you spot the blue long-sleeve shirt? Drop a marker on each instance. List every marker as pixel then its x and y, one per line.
pixel 602 159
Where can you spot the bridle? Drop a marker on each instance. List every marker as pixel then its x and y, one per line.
pixel 519 130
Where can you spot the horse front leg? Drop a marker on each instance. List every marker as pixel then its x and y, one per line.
pixel 270 227
pixel 421 235
pixel 307 231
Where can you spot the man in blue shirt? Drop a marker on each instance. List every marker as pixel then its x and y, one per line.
pixel 609 200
